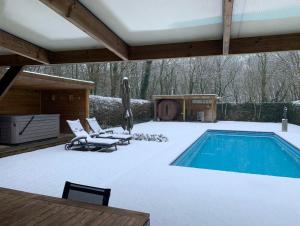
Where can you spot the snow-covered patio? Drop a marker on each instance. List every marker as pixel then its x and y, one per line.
pixel 141 179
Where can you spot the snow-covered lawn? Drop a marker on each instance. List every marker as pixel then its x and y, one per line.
pixel 141 179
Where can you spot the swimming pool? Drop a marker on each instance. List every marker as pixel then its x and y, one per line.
pixel 245 152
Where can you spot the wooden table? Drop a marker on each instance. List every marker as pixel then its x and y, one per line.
pixel 22 208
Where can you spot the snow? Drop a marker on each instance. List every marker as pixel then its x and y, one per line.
pixel 296 102
pixel 141 179
pixel 60 77
pixel 111 100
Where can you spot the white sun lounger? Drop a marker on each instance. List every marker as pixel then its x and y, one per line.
pixel 84 140
pixel 99 132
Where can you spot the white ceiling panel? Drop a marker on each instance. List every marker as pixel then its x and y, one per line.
pixel 267 17
pixel 140 22
pixel 36 23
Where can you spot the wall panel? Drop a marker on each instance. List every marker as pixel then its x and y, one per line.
pixel 70 104
pixel 20 102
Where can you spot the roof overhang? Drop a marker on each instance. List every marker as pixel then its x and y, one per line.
pixel 37 81
pixel 79 31
pixel 185 96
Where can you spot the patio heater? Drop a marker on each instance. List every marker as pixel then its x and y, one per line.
pixel 284 126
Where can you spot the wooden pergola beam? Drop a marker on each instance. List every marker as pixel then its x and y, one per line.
pixel 84 56
pixel 23 48
pixel 8 78
pixel 16 60
pixel 273 43
pixel 227 19
pixel 189 49
pixel 259 44
pixel 63 57
pixel 81 17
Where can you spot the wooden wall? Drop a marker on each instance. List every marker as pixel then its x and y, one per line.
pixel 20 102
pixel 192 110
pixel 210 109
pixel 70 104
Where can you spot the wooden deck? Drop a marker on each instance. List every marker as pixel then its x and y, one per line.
pixel 7 150
pixel 22 208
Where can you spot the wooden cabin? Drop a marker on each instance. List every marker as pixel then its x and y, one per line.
pixel 193 107
pixel 33 93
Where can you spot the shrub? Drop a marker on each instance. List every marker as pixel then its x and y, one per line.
pixel 108 110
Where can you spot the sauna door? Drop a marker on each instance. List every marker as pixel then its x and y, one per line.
pixel 168 110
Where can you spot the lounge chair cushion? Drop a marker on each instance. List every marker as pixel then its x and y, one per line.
pixel 104 135
pixel 102 141
pixel 97 129
pixel 78 130
pixel 95 125
pixel 121 136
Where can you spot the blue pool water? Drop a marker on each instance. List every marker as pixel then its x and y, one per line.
pixel 245 152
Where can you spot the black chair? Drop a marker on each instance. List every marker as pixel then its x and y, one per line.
pixel 82 193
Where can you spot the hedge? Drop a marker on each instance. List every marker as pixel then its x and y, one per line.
pixel 108 110
pixel 264 112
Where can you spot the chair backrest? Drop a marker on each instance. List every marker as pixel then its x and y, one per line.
pixel 94 125
pixel 77 128
pixel 87 194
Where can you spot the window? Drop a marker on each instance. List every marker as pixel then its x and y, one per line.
pixel 201 101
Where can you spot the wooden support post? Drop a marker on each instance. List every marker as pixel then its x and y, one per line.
pixel 183 110
pixel 212 109
pixel 8 78
pixel 87 108
pixel 155 110
pixel 227 19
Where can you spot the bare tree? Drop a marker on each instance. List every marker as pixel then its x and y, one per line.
pixel 145 80
pixel 238 78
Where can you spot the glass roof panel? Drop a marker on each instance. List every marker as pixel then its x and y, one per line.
pixel 267 17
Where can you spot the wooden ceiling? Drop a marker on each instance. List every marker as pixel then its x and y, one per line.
pixel 26 53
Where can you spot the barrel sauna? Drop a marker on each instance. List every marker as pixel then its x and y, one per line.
pixel 168 110
pixel 187 107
